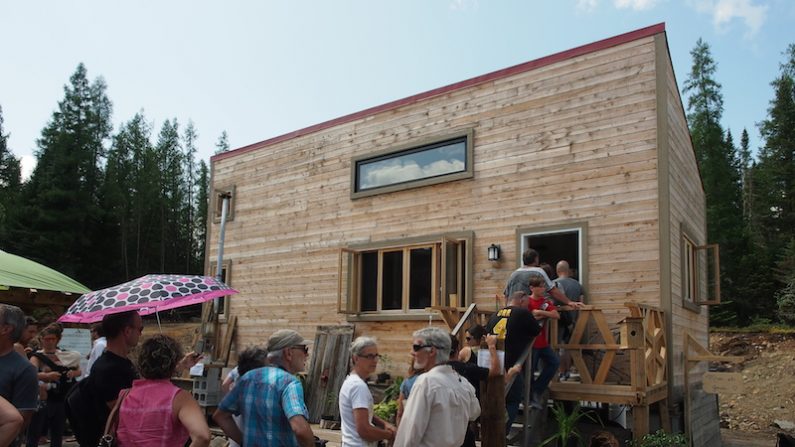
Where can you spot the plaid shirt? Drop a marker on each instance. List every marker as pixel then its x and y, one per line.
pixel 267 398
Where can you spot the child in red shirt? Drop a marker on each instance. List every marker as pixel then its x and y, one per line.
pixel 542 309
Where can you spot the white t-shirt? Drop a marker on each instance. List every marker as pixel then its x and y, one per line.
pixel 96 351
pixel 354 394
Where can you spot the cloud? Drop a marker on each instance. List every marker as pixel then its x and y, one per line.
pixel 396 171
pixel 463 5
pixel 636 5
pixel 723 12
pixel 587 6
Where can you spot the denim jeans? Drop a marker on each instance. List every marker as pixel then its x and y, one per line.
pixel 551 364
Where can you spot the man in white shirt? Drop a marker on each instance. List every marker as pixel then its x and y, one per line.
pixel 442 402
pixel 100 343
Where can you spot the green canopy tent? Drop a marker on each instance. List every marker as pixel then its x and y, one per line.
pixel 32 286
pixel 16 271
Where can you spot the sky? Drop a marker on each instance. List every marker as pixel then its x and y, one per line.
pixel 258 69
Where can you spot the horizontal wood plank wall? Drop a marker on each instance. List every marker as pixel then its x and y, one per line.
pixel 688 212
pixel 570 141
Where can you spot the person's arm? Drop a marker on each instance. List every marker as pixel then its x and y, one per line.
pixel 47 375
pixel 226 385
pixel 560 296
pixel 11 422
pixel 495 369
pixel 302 430
pixel 366 430
pixel 400 403
pixel 227 423
pixel 192 418
pixel 187 362
pixel 464 354
pixel 72 373
pixel 539 314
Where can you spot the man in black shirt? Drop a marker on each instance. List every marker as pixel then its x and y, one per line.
pixel 516 327
pixel 90 404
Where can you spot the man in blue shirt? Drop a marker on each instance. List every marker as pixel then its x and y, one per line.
pixel 271 399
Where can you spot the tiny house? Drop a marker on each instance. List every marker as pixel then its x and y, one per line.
pixel 374 217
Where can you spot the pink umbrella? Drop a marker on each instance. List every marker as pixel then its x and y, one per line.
pixel 147 294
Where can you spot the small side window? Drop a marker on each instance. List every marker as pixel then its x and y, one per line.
pixel 218 201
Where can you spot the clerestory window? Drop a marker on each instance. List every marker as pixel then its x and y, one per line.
pixel 421 164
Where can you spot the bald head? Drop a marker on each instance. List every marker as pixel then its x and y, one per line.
pixel 563 269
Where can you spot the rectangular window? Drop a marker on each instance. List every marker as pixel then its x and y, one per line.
pixel 217 200
pixel 436 161
pixel 403 279
pixel 226 277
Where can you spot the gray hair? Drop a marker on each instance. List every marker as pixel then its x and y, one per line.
pixel 362 343
pixel 276 358
pixel 14 317
pixel 437 338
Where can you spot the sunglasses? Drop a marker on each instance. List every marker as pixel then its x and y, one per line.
pixel 417 348
pixel 304 348
pixel 370 356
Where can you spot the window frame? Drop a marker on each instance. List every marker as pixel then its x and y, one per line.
pixel 216 203
pixel 226 269
pixel 416 146
pixel 349 300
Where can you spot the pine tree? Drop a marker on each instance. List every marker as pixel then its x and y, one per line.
pixel 200 224
pixel 10 182
pixel 189 143
pixel 720 171
pixel 222 145
pixel 62 207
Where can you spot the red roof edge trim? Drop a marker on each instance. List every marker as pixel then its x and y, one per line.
pixel 505 72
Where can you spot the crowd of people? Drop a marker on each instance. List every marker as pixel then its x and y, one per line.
pixel 264 403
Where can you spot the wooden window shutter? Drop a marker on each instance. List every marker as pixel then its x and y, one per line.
pixel 346 282
pixel 708 259
pixel 450 290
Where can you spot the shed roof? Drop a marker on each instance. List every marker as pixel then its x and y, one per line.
pixel 502 73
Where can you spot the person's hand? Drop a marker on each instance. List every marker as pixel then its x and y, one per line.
pixel 391 430
pixel 576 304
pixel 189 361
pixel 491 341
pixel 52 376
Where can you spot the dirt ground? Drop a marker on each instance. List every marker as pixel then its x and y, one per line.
pixel 768 377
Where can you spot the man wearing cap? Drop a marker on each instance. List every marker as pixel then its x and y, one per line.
pixel 442 402
pixel 271 399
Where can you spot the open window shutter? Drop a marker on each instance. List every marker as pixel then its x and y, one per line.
pixel 449 273
pixel 708 261
pixel 346 282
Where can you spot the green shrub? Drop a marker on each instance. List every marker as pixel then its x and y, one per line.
pixel 386 410
pixel 785 300
pixel 659 439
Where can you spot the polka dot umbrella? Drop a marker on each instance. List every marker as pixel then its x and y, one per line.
pixel 147 294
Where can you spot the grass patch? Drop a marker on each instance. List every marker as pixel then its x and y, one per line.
pixel 766 328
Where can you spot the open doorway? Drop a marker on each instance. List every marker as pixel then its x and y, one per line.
pixel 557 244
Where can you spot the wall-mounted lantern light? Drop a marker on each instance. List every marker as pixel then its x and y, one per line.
pixel 494 252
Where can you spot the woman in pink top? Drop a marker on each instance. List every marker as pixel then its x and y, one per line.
pixel 157 413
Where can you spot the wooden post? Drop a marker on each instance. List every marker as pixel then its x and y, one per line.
pixel 492 412
pixel 640 420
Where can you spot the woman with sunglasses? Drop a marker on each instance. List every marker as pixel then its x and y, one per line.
pixel 360 427
pixel 474 337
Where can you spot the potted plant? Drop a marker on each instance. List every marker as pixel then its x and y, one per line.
pixel 568 434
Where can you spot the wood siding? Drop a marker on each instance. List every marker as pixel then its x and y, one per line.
pixel 575 140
